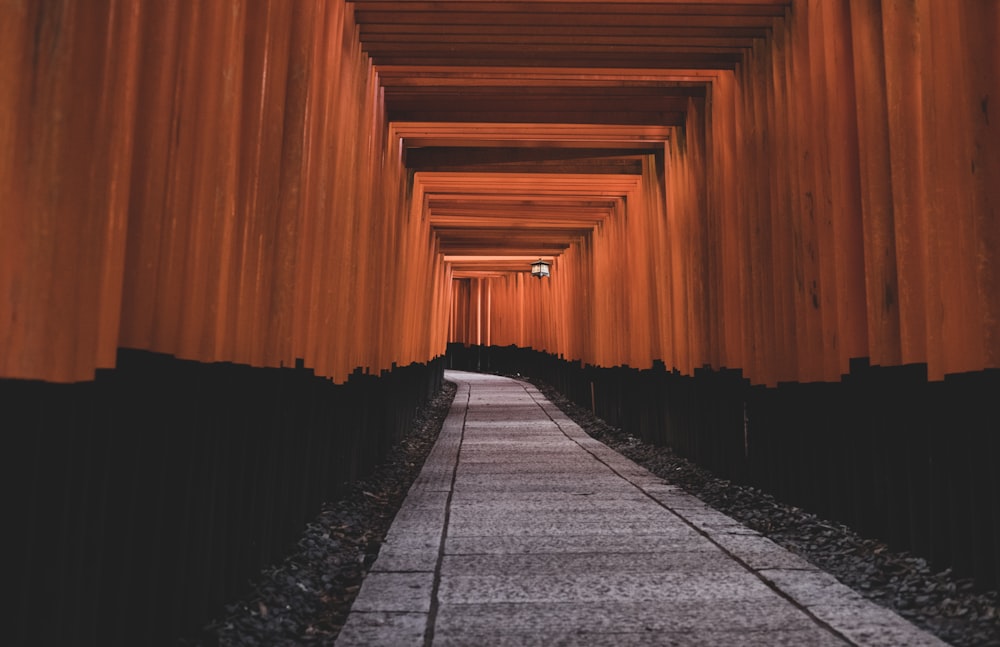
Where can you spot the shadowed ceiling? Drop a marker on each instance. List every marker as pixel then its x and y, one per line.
pixel 525 122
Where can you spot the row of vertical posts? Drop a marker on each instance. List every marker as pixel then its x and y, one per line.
pixel 834 197
pixel 211 181
pixel 144 500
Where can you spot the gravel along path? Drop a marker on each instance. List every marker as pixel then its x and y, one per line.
pixel 944 605
pixel 305 599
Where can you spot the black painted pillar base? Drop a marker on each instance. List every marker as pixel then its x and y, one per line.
pixel 142 501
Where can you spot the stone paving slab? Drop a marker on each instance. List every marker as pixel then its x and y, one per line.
pixel 395 592
pixel 611 616
pixel 856 617
pixel 395 558
pixel 429 527
pixel 664 541
pixel 608 616
pixel 865 623
pixel 576 528
pixel 541 505
pixel 522 530
pixel 556 516
pixel 760 553
pixel 381 628
pixel 683 623
pixel 709 559
pixel 525 490
pixel 430 543
pixel 540 482
pixel 813 637
pixel 489 467
pixel 662 588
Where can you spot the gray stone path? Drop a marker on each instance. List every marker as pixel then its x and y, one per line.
pixel 523 530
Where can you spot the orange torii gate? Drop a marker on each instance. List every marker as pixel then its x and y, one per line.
pixel 281 213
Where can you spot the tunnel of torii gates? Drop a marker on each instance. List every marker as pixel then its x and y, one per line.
pixel 241 240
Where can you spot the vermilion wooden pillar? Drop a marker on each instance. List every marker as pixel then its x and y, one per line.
pixel 215 182
pixel 68 92
pixel 221 183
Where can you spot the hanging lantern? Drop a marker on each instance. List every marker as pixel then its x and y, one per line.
pixel 540 268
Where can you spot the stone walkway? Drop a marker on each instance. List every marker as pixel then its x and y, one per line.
pixel 523 530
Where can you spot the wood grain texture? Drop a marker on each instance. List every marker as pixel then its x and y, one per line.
pixel 772 186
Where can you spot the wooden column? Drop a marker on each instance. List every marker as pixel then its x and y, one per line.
pixel 68 91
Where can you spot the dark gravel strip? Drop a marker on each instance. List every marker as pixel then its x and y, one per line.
pixel 305 599
pixel 944 605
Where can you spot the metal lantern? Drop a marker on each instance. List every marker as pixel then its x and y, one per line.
pixel 540 268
